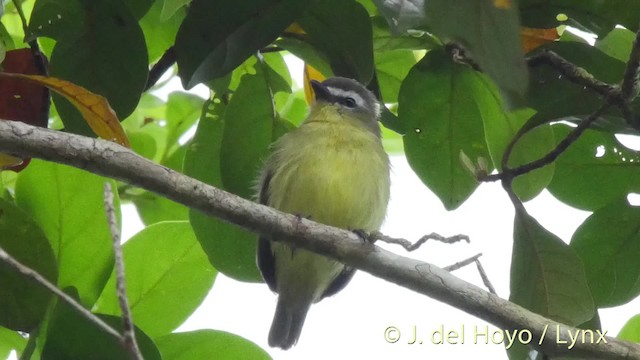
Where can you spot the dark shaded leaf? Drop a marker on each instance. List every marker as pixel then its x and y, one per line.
pixel 554 97
pixel 108 57
pixel 342 31
pixel 71 336
pixel 67 203
pixel 440 106
pixel 594 170
pixel 231 250
pixel 23 302
pixel 547 277
pixel 218 35
pixel 209 344
pixel 608 243
pixel 403 15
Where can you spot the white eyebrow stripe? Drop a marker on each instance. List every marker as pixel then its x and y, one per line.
pixel 347 93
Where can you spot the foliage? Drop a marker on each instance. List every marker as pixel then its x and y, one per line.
pixel 455 82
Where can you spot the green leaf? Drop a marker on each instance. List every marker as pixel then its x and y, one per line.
pixel 183 110
pixel 554 97
pixel 617 44
pixel 153 208
pixel 209 344
pixel 440 106
pixel 59 20
pixel 491 34
pixel 247 135
pixel 68 205
pixel 95 60
pixel 167 277
pixel 10 340
pixel 341 29
pixel 608 242
pixel 594 170
pixel 385 40
pixel 218 35
pixel 71 336
pixel 160 30
pixel 231 250
pixel 631 330
pixel 23 303
pixel 392 67
pixel 500 129
pixel 306 52
pixel 170 7
pixel 547 277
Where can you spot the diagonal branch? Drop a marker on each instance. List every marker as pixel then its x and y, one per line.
pixel 112 160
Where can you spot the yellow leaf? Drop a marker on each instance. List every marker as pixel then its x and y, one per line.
pixel 310 73
pixel 7 161
pixel 534 38
pixel 295 28
pixel 95 109
pixel 502 4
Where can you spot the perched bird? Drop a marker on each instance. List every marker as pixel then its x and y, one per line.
pixel 333 170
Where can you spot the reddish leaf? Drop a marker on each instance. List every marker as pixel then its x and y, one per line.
pixel 21 101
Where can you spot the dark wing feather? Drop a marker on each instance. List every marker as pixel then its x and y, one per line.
pixel 265 260
pixel 339 282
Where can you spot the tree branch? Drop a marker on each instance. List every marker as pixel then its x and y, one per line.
pixel 112 160
pixel 128 334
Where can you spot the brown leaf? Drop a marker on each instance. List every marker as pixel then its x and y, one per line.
pixel 94 108
pixel 21 101
pixel 534 38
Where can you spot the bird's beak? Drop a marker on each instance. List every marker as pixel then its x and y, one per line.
pixel 321 92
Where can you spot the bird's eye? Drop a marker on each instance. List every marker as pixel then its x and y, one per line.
pixel 349 102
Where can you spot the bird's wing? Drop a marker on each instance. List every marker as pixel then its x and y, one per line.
pixel 339 282
pixel 265 260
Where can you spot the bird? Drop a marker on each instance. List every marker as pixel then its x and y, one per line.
pixel 332 169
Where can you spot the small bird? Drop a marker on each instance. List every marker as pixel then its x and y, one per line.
pixel 333 170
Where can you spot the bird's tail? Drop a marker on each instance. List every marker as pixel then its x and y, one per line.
pixel 287 324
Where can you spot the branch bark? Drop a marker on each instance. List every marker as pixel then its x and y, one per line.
pixel 112 160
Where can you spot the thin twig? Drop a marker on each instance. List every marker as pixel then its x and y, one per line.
pixel 376 235
pixel 159 68
pixel 461 264
pixel 510 173
pixel 129 336
pixel 26 271
pixel 485 278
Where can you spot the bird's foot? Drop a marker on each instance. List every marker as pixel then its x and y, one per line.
pixel 363 235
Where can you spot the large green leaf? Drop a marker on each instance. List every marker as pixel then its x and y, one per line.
pixel 67 203
pixel 631 330
pixel 392 67
pixel 109 58
pixel 554 97
pixel 10 340
pixel 209 344
pixel 608 243
pixel 594 170
pixel 441 106
pixel 341 29
pixel 490 32
pixel 167 276
pixel 23 302
pixel 230 249
pixel 71 336
pixel 218 35
pixel 617 44
pixel 47 19
pixel 547 277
